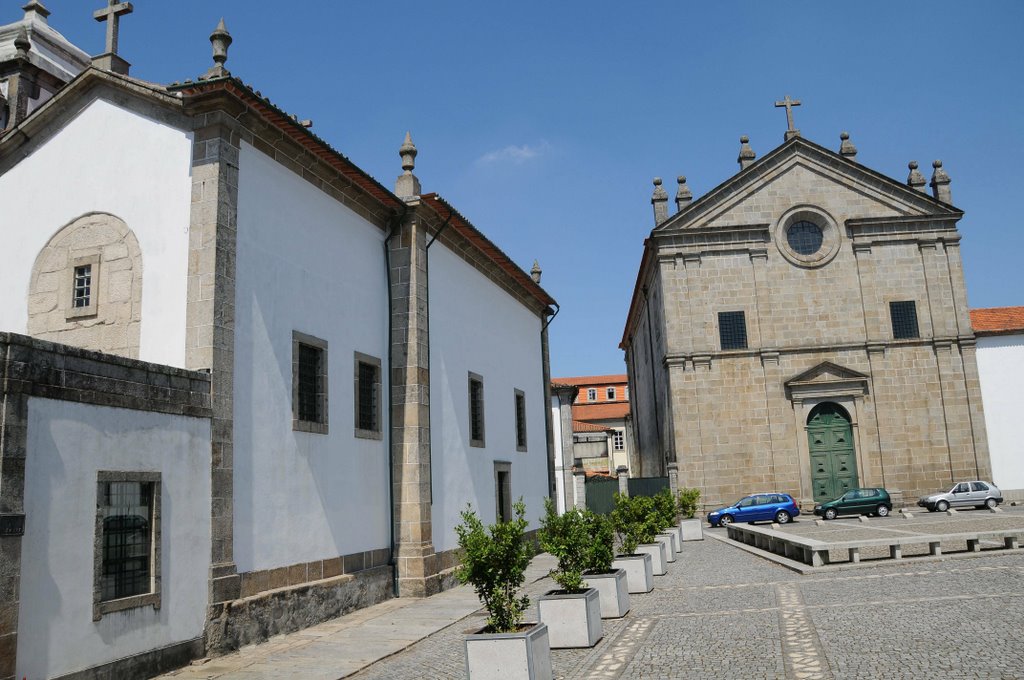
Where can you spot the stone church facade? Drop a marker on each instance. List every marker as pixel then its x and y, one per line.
pixel 804 328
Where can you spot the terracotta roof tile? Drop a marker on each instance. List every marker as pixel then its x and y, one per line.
pixel 580 426
pixel 592 380
pixel 600 411
pixel 998 320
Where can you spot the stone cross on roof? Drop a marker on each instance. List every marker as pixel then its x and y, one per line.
pixel 789 104
pixel 112 15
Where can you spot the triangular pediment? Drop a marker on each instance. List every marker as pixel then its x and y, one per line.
pixel 802 172
pixel 826 373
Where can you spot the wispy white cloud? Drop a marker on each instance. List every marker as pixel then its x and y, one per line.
pixel 512 154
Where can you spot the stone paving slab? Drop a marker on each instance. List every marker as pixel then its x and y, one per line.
pixel 340 647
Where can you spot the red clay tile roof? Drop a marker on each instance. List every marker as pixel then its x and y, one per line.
pixel 592 380
pixel 607 410
pixel 998 320
pixel 580 426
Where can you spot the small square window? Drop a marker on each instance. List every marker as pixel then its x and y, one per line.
pixel 476 410
pixel 83 287
pixel 309 383
pixel 367 396
pixel 610 394
pixel 732 330
pixel 592 394
pixel 126 571
pixel 520 420
pixel 904 319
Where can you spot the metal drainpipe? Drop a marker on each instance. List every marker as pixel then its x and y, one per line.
pixel 391 463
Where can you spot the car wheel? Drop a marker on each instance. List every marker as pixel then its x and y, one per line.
pixel 725 520
pixel 882 510
pixel 942 506
pixel 990 503
pixel 782 517
pixel 831 513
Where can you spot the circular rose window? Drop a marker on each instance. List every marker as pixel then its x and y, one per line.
pixel 804 237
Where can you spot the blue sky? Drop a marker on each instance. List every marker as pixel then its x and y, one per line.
pixel 544 122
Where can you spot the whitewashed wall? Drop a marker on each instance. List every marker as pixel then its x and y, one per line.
pixel 476 326
pixel 107 159
pixel 304 263
pixel 68 444
pixel 1001 370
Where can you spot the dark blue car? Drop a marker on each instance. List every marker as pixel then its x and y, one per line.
pixel 766 507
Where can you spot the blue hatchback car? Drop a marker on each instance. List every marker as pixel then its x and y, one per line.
pixel 774 507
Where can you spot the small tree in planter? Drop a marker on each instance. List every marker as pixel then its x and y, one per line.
pixel 635 525
pixel 692 528
pixel 494 561
pixel 609 581
pixel 573 614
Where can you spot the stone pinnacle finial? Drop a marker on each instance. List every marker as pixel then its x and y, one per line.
pixel 659 199
pixel 940 184
pixel 22 43
pixel 683 195
pixel 407 185
pixel 221 41
pixel 846 148
pixel 35 9
pixel 408 153
pixel 747 154
pixel 536 272
pixel 915 180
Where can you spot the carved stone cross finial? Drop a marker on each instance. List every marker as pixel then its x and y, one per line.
pixel 112 15
pixel 789 104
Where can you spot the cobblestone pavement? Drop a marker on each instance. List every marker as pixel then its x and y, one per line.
pixel 721 612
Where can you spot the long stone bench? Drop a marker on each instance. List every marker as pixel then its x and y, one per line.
pixel 816 553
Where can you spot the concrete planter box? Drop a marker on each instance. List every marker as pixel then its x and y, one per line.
pixel 692 529
pixel 509 656
pixel 678 529
pixel 658 556
pixel 677 543
pixel 573 619
pixel 667 539
pixel 639 572
pixel 613 592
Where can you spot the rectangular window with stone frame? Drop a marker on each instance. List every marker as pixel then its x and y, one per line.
pixel 732 330
pixel 476 410
pixel 367 396
pixel 83 287
pixel 520 397
pixel 618 440
pixel 903 314
pixel 126 561
pixel 502 491
pixel 309 383
pixel 610 393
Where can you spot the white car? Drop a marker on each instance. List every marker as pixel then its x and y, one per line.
pixel 975 493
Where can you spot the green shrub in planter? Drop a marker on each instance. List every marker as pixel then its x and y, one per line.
pixel 567 538
pixel 494 561
pixel 635 521
pixel 601 550
pixel 666 508
pixel 686 502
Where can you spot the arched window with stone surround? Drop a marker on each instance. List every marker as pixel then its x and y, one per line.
pixel 86 287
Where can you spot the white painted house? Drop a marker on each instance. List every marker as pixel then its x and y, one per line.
pixel 1000 332
pixel 223 341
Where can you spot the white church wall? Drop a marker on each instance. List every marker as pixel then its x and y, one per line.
pixel 304 263
pixel 68 443
pixel 1001 373
pixel 116 161
pixel 476 326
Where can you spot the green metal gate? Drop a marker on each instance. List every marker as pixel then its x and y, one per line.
pixel 647 486
pixel 601 494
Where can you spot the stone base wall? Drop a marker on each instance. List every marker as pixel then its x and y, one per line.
pixel 141 666
pixel 251 620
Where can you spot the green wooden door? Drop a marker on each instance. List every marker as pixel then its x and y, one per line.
pixel 833 461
